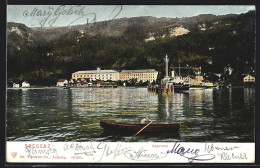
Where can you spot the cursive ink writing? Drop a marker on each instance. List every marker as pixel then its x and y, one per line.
pixel 210 148
pixel 77 147
pixel 116 11
pixel 30 150
pixel 93 25
pixel 232 156
pixel 144 155
pixel 87 150
pixel 49 16
pixel 190 154
pixel 108 151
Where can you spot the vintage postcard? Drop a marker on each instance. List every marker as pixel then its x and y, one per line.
pixel 130 84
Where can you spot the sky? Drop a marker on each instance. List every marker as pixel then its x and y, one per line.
pixel 56 15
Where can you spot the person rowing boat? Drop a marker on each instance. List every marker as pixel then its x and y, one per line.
pixel 145 120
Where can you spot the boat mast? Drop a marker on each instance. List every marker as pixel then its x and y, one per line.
pixel 166 66
pixel 179 68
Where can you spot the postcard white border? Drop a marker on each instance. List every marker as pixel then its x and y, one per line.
pixel 129 152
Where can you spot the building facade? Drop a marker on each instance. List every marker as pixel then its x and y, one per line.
pixel 25 84
pixel 62 82
pixel 141 75
pixel 249 79
pixel 112 75
pixel 16 85
pixel 98 74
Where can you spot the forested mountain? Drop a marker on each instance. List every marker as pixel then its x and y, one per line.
pixel 42 55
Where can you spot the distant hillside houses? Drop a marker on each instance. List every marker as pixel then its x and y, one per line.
pixel 112 75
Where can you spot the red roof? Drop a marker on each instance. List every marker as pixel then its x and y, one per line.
pixel 196 68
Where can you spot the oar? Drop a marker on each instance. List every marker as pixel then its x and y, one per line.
pixel 143 128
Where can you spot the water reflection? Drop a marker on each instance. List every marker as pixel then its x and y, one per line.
pixel 74 115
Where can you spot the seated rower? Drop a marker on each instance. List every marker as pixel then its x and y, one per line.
pixel 144 120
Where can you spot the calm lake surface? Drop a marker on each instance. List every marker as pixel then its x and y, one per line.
pixel 220 115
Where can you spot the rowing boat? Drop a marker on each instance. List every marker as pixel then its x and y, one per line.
pixel 127 128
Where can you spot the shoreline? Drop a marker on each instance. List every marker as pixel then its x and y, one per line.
pixel 72 87
pixel 75 87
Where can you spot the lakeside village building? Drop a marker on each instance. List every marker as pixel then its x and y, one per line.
pixel 249 79
pixel 25 84
pixel 112 75
pixel 62 82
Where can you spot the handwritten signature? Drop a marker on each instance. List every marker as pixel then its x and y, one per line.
pixel 190 153
pixel 144 155
pixel 51 14
pixel 137 155
pixel 108 151
pixel 31 150
pixel 226 152
pixel 210 148
pixel 103 151
pixel 233 156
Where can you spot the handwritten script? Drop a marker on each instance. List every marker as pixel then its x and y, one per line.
pixel 33 150
pixel 132 152
pixel 192 154
pixel 104 150
pixel 210 148
pixel 226 153
pixel 49 16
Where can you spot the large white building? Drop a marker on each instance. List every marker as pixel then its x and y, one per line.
pixel 141 75
pixel 106 75
pixel 98 74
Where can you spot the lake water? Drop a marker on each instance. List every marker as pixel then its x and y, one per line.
pixel 219 115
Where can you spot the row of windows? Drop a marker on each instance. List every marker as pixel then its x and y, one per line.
pixel 128 75
pixel 103 78
pixel 250 79
pixel 137 74
pixel 92 75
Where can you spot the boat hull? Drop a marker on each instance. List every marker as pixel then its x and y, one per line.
pixel 126 128
pixel 181 87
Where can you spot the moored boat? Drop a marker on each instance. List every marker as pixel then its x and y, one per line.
pixel 179 87
pixel 127 128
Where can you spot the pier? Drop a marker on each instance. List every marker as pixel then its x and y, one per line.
pixel 162 88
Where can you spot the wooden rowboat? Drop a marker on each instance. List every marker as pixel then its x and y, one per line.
pixel 126 128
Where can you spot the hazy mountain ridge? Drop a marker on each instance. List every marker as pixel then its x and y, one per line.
pixel 116 27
